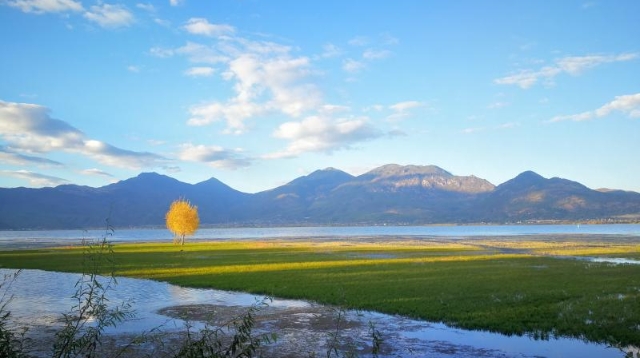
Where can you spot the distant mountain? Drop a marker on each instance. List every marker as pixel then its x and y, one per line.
pixel 530 196
pixel 291 203
pixel 135 202
pixel 401 194
pixel 391 194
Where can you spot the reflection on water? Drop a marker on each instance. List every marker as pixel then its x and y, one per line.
pixel 40 297
pixel 607 260
pixel 614 260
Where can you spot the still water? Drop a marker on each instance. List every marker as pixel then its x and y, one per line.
pixel 40 298
pixel 25 238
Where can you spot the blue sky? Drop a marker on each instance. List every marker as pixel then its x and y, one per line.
pixel 257 93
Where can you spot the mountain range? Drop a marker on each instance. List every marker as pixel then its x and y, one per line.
pixel 391 194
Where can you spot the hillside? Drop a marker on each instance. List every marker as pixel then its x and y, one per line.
pixel 391 194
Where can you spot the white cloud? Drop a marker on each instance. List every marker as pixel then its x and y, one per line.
pixel 200 72
pixel 573 65
pixel 110 16
pixel 134 69
pixel 214 155
pixel 404 106
pixel 263 84
pixel 330 50
pixel 331 109
pixel 146 7
pixel 176 2
pixel 172 169
pixel 389 40
pixel 201 26
pixel 359 41
pixel 28 128
pixel 162 22
pixel 161 52
pixel 498 105
pixel 527 78
pixel 234 113
pixel 319 134
pixel 43 6
pixel 11 157
pixel 371 54
pixel 197 53
pixel 107 154
pixel 375 107
pixel 472 130
pixel 35 179
pixel 266 78
pixel 508 125
pixel 628 105
pixel 96 172
pixel 401 109
pixel 352 66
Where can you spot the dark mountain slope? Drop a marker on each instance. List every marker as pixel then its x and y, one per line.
pixel 530 196
pixel 139 201
pixel 291 202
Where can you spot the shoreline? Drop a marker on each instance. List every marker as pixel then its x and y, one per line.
pixel 33 244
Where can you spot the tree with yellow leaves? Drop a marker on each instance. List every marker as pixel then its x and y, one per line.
pixel 182 220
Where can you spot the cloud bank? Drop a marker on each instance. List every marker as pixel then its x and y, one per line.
pixel 573 65
pixel 29 128
pixel 628 105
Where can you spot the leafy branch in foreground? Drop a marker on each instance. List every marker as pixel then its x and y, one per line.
pixel 339 346
pixel 87 320
pixel 11 346
pixel 213 343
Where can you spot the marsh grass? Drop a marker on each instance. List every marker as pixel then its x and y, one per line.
pixel 491 285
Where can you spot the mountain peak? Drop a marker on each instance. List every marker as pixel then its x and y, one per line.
pixel 403 170
pixel 153 177
pixel 330 174
pixel 529 175
pixel 524 180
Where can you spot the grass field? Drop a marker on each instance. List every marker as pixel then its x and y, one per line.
pixel 505 285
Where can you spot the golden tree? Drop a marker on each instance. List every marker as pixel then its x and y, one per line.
pixel 182 220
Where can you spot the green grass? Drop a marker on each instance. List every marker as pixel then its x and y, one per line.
pixel 475 285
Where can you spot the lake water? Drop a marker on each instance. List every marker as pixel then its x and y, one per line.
pixel 57 237
pixel 40 298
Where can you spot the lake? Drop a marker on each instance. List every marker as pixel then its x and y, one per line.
pixel 29 238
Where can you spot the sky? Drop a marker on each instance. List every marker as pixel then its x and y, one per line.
pixel 257 93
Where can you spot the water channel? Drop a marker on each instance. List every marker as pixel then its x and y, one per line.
pixel 40 298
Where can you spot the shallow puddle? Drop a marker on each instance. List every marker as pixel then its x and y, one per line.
pixel 40 298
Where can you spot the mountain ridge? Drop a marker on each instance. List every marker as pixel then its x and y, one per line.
pixel 390 194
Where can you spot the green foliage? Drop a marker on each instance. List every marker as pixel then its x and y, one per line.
pixel 85 323
pixel 11 345
pixel 465 287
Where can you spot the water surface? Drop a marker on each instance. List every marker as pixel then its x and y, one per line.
pixel 57 237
